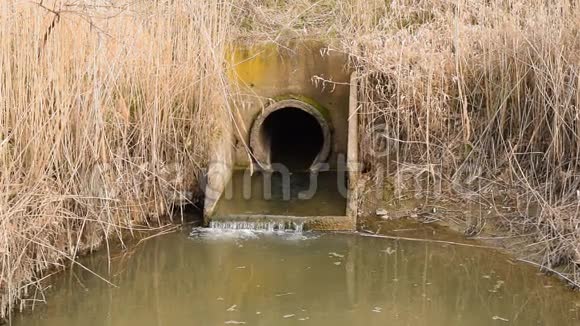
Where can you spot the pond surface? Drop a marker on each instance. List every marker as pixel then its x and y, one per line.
pixel 242 278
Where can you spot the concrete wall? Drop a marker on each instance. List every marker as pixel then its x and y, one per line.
pixel 219 172
pixel 265 74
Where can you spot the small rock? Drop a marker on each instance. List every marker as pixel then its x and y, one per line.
pixel 382 212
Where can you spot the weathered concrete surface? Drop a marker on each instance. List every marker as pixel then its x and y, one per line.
pixel 352 155
pixel 265 74
pixel 311 223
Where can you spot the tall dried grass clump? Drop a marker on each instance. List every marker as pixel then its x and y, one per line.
pixel 478 96
pixel 107 113
pixel 483 95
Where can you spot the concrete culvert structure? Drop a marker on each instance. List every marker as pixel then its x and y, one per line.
pixel 307 128
pixel 292 133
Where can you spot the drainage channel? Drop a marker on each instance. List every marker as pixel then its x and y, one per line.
pixel 289 151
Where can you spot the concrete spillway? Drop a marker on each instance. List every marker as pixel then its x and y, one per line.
pixel 285 156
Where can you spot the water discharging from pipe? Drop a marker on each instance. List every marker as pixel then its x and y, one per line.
pixel 269 226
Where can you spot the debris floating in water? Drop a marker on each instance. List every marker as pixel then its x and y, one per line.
pixel 500 318
pixel 389 251
pixel 232 308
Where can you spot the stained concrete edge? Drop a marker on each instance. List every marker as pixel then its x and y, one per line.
pixel 311 223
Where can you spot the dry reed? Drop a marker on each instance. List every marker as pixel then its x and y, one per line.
pixel 107 113
pixel 97 99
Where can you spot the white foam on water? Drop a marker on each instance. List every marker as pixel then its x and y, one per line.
pixel 249 230
pixel 269 226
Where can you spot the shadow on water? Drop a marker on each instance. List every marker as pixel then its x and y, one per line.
pixel 217 277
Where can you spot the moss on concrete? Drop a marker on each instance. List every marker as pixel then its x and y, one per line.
pixel 312 102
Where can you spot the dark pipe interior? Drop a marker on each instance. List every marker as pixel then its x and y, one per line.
pixel 295 138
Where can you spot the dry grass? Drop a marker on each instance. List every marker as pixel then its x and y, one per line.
pixel 97 99
pixel 486 93
pixel 107 114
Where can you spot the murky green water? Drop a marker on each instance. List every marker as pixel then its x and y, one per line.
pixel 329 279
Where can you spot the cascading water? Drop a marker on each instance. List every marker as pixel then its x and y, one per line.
pixel 269 226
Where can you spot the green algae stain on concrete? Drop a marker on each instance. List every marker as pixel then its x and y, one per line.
pixel 250 65
pixel 312 102
pixel 266 73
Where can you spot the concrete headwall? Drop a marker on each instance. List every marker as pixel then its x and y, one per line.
pixel 302 70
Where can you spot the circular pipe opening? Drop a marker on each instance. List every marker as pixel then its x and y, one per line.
pixel 290 133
